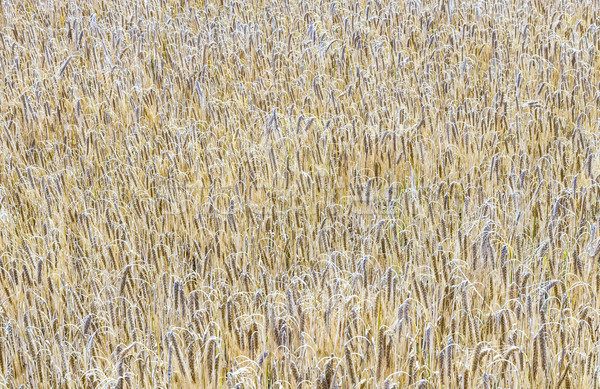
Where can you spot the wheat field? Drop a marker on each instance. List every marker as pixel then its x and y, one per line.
pixel 299 194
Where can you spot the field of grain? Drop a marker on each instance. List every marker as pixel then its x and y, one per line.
pixel 299 194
